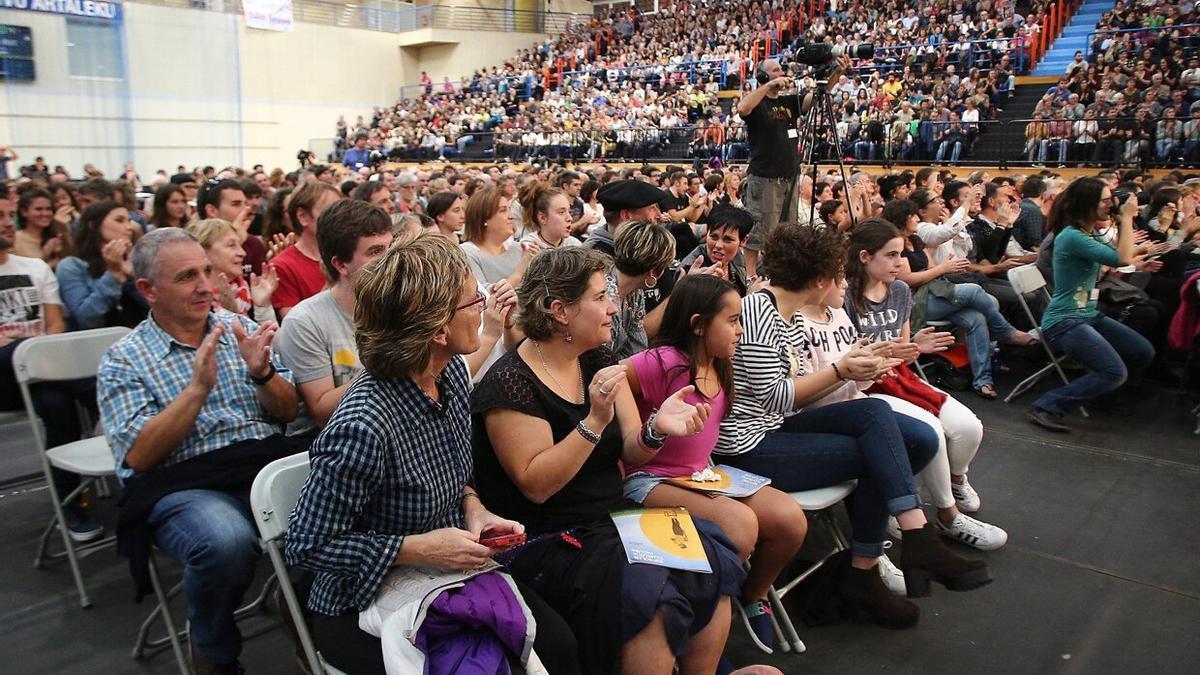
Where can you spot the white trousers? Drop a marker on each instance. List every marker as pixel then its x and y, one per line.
pixel 959 434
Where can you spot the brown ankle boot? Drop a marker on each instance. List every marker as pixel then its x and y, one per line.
pixel 868 598
pixel 925 558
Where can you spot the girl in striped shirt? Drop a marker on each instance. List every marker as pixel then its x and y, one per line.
pixel 772 430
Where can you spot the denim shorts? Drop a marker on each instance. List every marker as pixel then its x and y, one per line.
pixel 639 484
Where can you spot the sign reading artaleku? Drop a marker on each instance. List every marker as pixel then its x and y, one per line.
pixel 268 14
pixel 89 9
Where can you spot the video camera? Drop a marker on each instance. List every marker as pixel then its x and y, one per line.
pixel 821 53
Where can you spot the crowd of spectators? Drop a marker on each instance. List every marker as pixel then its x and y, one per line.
pixel 514 351
pixel 287 307
pixel 1133 99
pixel 634 87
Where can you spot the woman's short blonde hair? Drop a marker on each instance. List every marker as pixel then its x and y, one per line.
pixel 556 274
pixel 642 247
pixel 209 231
pixel 404 297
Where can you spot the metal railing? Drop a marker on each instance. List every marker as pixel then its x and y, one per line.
pixel 522 85
pixel 650 73
pixel 394 16
pixel 965 55
pixel 1120 141
pixel 1001 143
pixel 1144 36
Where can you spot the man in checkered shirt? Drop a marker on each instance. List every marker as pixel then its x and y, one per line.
pixel 193 405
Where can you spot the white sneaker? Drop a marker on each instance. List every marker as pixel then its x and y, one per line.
pixel 892 577
pixel 893 529
pixel 973 532
pixel 965 496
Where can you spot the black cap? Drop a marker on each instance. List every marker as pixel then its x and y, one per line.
pixel 629 194
pixel 181 178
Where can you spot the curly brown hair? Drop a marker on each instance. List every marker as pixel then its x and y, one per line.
pixel 796 255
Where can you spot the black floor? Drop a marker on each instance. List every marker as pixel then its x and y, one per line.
pixel 1101 573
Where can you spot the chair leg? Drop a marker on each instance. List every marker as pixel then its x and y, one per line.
pixel 293 606
pixel 783 623
pixel 60 521
pixel 1028 383
pixel 164 608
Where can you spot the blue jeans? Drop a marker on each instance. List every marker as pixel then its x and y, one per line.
pixel 211 534
pixel 977 312
pixel 865 150
pixel 861 439
pixel 954 146
pixel 1110 350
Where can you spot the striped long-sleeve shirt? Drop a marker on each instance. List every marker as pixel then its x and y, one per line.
pixel 770 356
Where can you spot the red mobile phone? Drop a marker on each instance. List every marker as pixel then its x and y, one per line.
pixel 492 540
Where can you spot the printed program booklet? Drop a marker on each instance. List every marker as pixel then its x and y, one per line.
pixel 733 482
pixel 663 537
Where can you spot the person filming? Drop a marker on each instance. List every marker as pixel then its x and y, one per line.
pixel 771 112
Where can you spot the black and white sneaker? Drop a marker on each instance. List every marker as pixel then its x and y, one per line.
pixel 971 532
pixel 965 496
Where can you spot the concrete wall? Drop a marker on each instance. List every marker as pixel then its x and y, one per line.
pixel 201 88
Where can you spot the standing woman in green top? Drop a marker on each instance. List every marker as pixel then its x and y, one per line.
pixel 1071 324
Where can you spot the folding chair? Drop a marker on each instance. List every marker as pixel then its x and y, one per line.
pixel 817 504
pixel 273 496
pixel 1029 279
pixel 940 324
pixel 55 358
pixel 145 646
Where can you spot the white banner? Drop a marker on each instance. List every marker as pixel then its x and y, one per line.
pixel 268 14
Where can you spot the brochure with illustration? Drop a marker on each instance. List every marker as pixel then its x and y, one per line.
pixel 723 480
pixel 663 537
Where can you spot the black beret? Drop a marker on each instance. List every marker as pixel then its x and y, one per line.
pixel 629 194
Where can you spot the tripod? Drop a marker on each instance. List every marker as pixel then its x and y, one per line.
pixel 822 113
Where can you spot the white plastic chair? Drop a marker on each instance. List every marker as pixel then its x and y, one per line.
pixel 273 496
pixel 55 358
pixel 817 504
pixel 941 324
pixel 1029 279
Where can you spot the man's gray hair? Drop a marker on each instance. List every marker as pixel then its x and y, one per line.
pixel 145 251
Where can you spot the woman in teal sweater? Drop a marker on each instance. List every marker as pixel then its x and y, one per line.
pixel 1071 324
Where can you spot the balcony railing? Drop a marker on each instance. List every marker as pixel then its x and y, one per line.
pixel 393 16
pixel 1188 40
pixel 1011 145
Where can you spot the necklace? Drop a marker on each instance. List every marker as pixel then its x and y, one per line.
pixel 582 390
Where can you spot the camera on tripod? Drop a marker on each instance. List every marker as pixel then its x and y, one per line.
pixel 820 56
pixel 822 53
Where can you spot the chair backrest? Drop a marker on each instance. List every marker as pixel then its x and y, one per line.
pixel 274 494
pixel 64 356
pixel 1026 279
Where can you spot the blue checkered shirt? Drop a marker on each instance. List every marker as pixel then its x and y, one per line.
pixel 142 373
pixel 389 463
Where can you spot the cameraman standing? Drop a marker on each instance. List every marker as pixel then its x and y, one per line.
pixel 771 113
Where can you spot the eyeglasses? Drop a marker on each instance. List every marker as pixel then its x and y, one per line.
pixel 480 298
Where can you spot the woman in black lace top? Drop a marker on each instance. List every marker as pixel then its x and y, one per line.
pixel 547 446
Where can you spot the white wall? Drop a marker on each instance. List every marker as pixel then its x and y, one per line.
pixel 201 88
pixel 458 53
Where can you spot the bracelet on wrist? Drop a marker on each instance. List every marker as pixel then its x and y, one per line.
pixel 588 435
pixel 838 372
pixel 260 381
pixel 466 495
pixel 651 438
